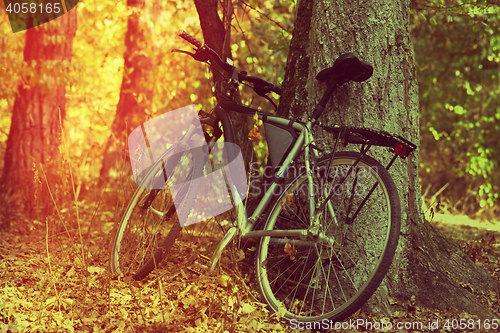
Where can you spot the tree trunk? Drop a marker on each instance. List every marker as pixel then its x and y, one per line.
pixel 427 267
pixel 32 154
pixel 136 93
pixel 217 35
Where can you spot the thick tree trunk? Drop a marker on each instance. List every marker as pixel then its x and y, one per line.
pixel 135 95
pixel 427 267
pixel 39 110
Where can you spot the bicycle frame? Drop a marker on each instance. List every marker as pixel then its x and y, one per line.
pixel 246 225
pixel 355 70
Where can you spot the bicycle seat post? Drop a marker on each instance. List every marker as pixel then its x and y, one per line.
pixel 318 110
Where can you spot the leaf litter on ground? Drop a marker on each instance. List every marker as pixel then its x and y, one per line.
pixel 77 294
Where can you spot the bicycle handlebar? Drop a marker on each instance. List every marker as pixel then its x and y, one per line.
pixel 191 39
pixel 261 86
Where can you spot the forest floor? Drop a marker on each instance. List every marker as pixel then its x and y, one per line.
pixel 56 280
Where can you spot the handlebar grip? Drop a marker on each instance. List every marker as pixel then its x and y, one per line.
pixel 184 35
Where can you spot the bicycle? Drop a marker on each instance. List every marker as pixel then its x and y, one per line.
pixel 331 218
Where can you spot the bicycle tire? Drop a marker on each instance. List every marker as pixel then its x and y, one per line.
pixel 306 279
pixel 138 246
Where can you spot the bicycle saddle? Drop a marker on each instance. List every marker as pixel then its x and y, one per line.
pixel 347 67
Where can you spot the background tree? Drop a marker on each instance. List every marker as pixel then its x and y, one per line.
pixel 427 268
pixel 32 153
pixel 136 91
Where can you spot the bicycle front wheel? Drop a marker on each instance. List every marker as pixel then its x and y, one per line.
pixel 150 223
pixel 333 272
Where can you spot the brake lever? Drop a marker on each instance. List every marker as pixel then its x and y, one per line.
pixel 262 90
pixel 198 56
pixel 182 51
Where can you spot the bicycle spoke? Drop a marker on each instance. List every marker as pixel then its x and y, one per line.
pixel 151 218
pixel 315 282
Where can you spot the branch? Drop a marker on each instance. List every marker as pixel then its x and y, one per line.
pixel 266 16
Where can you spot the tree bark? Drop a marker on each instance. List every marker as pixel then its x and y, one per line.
pixel 427 267
pixel 32 154
pixel 136 93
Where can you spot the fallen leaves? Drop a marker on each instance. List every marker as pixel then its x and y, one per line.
pixel 290 249
pixel 223 280
pixel 254 133
pixel 178 298
pixel 96 270
pixel 290 203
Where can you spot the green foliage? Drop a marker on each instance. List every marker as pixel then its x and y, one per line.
pixel 457 50
pixel 261 41
pixel 262 31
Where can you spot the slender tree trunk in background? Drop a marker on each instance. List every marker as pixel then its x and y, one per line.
pixel 217 35
pixel 135 95
pixel 213 29
pixel 32 154
pixel 427 267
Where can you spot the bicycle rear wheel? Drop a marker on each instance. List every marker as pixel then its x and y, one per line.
pixel 333 274
pixel 150 223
